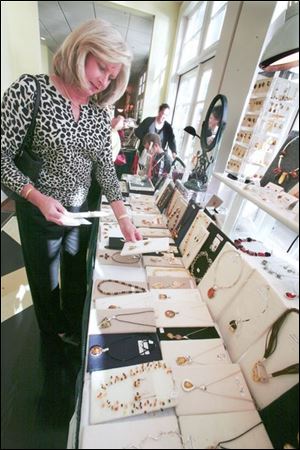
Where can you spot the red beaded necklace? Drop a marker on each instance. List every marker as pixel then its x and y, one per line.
pixel 238 244
pixel 282 174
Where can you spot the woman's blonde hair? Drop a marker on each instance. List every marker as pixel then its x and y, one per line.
pixel 104 42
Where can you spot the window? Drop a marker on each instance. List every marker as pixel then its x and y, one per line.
pixel 191 41
pixel 216 23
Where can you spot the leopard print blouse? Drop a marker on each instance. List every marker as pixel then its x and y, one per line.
pixel 67 148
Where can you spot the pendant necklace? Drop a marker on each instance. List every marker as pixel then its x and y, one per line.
pixel 219 444
pixel 178 336
pixel 106 321
pixel 184 360
pixel 215 287
pixel 156 438
pixel 233 324
pixel 188 386
pixel 134 289
pixel 281 174
pixel 96 351
pixel 259 371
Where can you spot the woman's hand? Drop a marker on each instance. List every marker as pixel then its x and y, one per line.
pixel 129 231
pixel 51 209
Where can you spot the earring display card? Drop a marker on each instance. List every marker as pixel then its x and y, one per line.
pixel 143 300
pixel 251 312
pixel 135 199
pixel 114 287
pixel 191 247
pixel 146 246
pixel 211 389
pixel 194 353
pixel 170 283
pixel 172 313
pixel 208 252
pixel 178 272
pixel 136 390
pixel 229 270
pixel 114 350
pixel 150 221
pixel 153 432
pixel 113 258
pixel 281 419
pixel 286 354
pixel 178 334
pixel 167 260
pixel 177 212
pixel 133 320
pixel 155 232
pixel 186 221
pixel 165 198
pixel 234 430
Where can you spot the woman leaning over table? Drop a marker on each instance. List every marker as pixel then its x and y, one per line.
pixel 73 131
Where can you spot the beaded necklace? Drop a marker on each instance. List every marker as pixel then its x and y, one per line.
pixel 137 290
pixel 281 174
pixel 259 371
pixel 238 244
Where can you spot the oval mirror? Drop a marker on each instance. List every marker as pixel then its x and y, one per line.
pixel 214 123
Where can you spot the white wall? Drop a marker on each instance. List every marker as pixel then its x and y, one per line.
pixel 20 43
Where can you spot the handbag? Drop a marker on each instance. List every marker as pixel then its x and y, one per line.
pixel 26 160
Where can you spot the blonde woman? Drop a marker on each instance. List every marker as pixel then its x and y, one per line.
pixel 73 131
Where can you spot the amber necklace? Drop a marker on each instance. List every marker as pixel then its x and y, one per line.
pixel 189 386
pixel 184 360
pixel 134 289
pixel 106 321
pixel 215 287
pixel 96 351
pixel 233 324
pixel 178 336
pixel 259 371
pixel 282 174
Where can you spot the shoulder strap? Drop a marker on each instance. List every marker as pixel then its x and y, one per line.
pixel 30 131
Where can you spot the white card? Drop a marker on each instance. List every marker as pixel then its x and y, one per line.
pixel 145 246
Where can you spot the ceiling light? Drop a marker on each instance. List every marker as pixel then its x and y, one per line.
pixel 282 52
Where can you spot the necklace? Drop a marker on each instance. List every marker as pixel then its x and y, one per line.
pixel 187 359
pixel 282 174
pixel 188 386
pixel 146 344
pixel 238 244
pixel 233 324
pixel 212 290
pixel 186 336
pixel 134 289
pixel 156 438
pixel 219 444
pixel 259 371
pixel 106 321
pixel 196 271
pixel 116 257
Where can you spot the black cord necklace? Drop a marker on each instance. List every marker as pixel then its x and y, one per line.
pixel 259 371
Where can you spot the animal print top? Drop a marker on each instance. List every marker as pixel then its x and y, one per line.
pixel 67 148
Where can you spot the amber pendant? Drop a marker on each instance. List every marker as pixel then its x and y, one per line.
pixel 211 292
pixel 283 177
pixel 259 373
pixel 169 313
pixel 233 324
pixel 183 360
pixel 105 323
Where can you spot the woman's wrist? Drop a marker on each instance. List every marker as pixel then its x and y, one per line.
pixel 123 216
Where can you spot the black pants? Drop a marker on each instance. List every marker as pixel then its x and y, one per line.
pixel 48 247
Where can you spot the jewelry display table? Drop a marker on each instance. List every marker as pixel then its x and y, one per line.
pixel 283 215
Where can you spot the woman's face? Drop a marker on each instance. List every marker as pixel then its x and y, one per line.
pixel 99 74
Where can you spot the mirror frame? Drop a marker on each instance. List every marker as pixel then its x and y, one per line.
pixel 203 137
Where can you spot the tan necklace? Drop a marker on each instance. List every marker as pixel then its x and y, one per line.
pixel 184 360
pixel 212 290
pixel 106 321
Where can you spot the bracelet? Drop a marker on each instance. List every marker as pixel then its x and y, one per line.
pixel 28 192
pixel 123 216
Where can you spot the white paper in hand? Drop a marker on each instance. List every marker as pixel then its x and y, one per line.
pixel 145 246
pixel 73 222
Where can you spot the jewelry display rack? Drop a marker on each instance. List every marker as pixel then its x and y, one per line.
pixel 269 115
pixel 207 384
